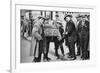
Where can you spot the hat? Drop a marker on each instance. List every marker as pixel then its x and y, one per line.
pixel 83 16
pixel 87 16
pixel 39 17
pixel 57 15
pixel 78 16
pixel 67 16
pixel 47 18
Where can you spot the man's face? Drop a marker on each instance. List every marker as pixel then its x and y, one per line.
pixel 83 18
pixel 78 19
pixel 57 17
pixel 68 19
pixel 59 25
pixel 41 20
pixel 86 18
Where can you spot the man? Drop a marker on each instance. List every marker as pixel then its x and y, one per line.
pixel 22 26
pixel 47 41
pixel 61 30
pixel 25 27
pixel 58 41
pixel 53 35
pixel 70 32
pixel 30 26
pixel 79 18
pixel 83 30
pixel 38 39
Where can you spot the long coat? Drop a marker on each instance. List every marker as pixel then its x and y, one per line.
pixel 36 36
pixel 83 32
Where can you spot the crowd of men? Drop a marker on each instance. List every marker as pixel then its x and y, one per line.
pixel 71 35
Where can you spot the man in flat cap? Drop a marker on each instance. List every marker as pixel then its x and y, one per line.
pixel 70 38
pixel 58 41
pixel 61 30
pixel 83 31
pixel 38 42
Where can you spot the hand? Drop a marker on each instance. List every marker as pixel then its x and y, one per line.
pixel 59 38
pixel 66 32
pixel 39 38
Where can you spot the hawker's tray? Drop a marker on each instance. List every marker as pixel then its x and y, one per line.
pixel 51 31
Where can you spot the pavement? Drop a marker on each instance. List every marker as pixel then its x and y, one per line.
pixel 25 52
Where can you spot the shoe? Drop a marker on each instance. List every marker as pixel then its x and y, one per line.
pixel 69 56
pixel 46 58
pixel 63 55
pixel 73 58
pixel 36 59
pixel 58 57
pixel 83 58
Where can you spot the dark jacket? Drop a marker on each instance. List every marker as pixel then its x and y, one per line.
pixel 71 29
pixel 83 30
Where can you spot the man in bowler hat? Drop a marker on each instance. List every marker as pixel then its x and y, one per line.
pixel 70 37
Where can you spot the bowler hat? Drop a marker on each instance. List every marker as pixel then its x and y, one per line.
pixel 67 16
pixel 39 17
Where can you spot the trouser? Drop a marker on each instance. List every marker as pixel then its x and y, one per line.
pixel 56 43
pixel 41 48
pixel 71 46
pixel 66 40
pixel 88 49
pixel 61 47
pixel 47 49
pixel 78 50
pixel 30 30
pixel 84 48
pixel 78 46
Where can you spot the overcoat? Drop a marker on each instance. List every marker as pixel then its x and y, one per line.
pixel 36 36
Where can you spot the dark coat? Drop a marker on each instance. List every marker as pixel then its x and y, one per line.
pixel 71 29
pixel 83 30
